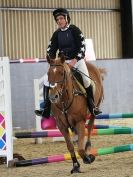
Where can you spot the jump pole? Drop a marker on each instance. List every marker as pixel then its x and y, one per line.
pixel 112 116
pixel 98 126
pixel 28 60
pixel 57 133
pixel 64 157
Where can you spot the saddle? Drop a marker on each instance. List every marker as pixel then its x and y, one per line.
pixel 78 78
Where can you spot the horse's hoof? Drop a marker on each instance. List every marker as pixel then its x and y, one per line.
pixel 88 159
pixel 75 169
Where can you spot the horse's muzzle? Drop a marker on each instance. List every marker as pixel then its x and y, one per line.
pixel 54 98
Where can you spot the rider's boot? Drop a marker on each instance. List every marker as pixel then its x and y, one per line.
pixel 45 112
pixel 90 102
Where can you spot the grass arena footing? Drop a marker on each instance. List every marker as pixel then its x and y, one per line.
pixel 64 157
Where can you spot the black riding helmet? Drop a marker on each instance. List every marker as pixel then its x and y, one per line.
pixel 61 11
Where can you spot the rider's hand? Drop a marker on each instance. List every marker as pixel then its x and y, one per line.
pixel 72 63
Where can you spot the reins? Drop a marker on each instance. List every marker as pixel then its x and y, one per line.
pixel 77 70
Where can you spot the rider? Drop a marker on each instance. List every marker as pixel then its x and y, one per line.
pixel 69 40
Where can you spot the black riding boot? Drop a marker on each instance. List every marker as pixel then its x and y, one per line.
pixel 90 101
pixel 45 112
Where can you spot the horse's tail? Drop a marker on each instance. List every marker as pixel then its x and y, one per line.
pixel 103 72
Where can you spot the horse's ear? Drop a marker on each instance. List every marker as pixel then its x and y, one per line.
pixel 62 57
pixel 49 60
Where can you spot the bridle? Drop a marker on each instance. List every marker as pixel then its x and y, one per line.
pixel 63 90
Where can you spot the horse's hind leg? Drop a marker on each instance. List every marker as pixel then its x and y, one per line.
pixel 87 158
pixel 70 147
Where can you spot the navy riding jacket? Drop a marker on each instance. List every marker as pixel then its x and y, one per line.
pixel 70 42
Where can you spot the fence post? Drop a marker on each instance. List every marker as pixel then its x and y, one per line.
pixel 6 140
pixel 37 106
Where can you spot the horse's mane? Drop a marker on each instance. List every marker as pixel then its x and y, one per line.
pixel 67 68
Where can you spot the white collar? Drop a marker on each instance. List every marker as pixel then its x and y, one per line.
pixel 64 29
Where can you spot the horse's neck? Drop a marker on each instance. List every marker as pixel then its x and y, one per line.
pixel 69 81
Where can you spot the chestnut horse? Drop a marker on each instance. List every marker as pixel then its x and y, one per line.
pixel 69 106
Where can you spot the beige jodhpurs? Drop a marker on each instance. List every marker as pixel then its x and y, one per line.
pixel 81 66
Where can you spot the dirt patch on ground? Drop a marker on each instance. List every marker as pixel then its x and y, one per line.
pixel 112 165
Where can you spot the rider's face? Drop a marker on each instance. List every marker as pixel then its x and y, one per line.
pixel 61 21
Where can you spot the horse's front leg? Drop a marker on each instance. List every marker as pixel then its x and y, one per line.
pixel 87 158
pixel 70 147
pixel 89 128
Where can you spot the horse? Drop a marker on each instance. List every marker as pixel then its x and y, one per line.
pixel 69 106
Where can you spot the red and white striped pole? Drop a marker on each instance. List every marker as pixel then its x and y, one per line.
pixel 28 60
